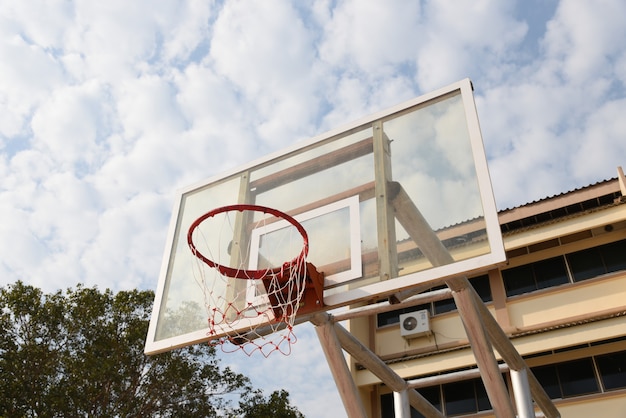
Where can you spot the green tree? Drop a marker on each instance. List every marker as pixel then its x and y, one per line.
pixel 255 405
pixel 80 354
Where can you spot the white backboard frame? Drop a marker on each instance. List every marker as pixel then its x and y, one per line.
pixel 341 290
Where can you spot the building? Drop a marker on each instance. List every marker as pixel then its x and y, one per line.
pixel 561 299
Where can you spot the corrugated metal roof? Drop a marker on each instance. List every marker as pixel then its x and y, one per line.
pixel 560 194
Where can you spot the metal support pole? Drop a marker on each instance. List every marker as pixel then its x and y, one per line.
pixel 401 405
pixel 521 390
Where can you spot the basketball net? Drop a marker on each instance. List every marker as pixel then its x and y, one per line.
pixel 251 297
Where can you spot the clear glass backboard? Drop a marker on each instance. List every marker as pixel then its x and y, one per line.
pixel 395 200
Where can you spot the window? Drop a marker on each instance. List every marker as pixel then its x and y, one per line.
pixel 442 306
pixel 579 377
pixel 612 369
pixel 464 397
pixel 549 379
pixel 431 394
pixel 519 280
pixel 535 276
pixel 614 255
pixel 583 265
pixel 460 398
pixel 480 283
pixel 560 380
pixel 551 272
pixel 586 264
pixel 593 262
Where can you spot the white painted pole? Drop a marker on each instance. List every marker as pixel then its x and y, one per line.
pixel 521 390
pixel 401 405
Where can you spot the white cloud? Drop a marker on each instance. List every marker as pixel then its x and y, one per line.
pixel 28 74
pixel 472 39
pixel 70 124
pixel 106 108
pixel 361 48
pixel 601 151
pixel 252 47
pixel 372 37
pixel 115 37
pixel 120 253
pixel 537 122
pixel 584 38
pixel 147 107
pixel 270 63
pixel 189 29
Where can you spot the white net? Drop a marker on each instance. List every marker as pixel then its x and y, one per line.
pixel 251 269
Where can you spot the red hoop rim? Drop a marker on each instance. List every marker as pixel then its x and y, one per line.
pixel 242 273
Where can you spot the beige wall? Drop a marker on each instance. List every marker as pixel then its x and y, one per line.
pixel 605 406
pixel 612 405
pixel 557 317
pixel 569 303
pixel 543 309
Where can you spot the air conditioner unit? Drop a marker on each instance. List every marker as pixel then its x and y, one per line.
pixel 415 324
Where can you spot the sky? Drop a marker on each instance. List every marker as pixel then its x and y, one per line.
pixel 107 108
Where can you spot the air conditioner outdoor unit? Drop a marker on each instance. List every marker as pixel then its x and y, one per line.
pixel 415 324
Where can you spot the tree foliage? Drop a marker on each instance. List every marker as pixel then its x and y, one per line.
pixel 80 353
pixel 255 405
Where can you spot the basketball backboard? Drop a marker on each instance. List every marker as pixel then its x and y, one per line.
pixel 374 197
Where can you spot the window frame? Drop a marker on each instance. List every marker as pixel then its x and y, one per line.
pixel 530 273
pixel 392 317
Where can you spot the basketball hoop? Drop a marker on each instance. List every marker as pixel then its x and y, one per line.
pixel 251 298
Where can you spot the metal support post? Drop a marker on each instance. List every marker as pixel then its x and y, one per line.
pixel 401 405
pixel 521 390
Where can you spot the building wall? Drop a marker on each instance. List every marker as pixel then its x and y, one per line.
pixel 549 326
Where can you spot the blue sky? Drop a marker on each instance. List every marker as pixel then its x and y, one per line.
pixel 106 108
